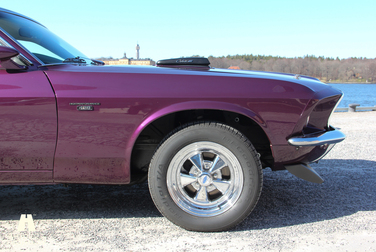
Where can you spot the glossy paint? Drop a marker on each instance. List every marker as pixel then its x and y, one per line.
pixel 96 146
pixel 46 139
pixel 28 127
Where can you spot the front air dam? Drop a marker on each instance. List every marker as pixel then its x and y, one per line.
pixel 306 172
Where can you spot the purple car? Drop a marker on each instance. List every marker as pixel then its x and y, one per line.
pixel 200 136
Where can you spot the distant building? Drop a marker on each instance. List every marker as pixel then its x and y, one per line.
pixel 140 62
pixel 234 68
pixel 126 61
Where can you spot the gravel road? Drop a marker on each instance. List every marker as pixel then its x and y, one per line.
pixel 292 214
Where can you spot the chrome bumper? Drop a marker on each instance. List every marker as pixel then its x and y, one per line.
pixel 332 136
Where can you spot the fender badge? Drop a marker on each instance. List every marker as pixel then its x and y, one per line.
pixel 85 106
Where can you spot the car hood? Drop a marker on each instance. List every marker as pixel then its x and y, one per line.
pixel 312 83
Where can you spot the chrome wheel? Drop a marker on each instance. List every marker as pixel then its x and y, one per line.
pixel 204 179
pixel 205 176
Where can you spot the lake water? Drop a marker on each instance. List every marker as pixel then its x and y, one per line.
pixel 363 94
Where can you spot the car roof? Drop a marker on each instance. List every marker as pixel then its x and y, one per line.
pixel 18 14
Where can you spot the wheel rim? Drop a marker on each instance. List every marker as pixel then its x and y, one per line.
pixel 204 179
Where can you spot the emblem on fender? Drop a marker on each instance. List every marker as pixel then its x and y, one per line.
pixel 85 106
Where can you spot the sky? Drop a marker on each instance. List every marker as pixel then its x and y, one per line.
pixel 171 29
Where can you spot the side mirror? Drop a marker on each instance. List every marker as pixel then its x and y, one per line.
pixel 6 55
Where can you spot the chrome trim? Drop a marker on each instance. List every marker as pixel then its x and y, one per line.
pixel 335 107
pixel 328 149
pixel 205 191
pixel 52 64
pixel 328 137
pixel 25 60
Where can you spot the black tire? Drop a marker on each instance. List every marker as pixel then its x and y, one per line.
pixel 205 177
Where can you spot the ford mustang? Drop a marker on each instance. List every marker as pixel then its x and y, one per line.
pixel 200 136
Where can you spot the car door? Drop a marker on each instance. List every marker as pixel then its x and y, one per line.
pixel 28 123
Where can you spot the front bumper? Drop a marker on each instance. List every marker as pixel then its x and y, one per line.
pixel 326 140
pixel 330 137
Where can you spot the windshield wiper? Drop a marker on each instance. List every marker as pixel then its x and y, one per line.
pixel 75 60
pixel 97 62
pixel 80 60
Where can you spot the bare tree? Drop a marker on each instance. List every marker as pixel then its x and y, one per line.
pixel 326 69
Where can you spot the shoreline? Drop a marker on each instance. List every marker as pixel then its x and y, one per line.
pixel 349 82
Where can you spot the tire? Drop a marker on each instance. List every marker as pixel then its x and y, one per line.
pixel 205 177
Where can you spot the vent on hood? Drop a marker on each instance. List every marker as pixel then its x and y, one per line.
pixel 184 62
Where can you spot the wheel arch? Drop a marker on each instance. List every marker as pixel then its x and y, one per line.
pixel 147 137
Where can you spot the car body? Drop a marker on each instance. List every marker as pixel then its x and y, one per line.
pixel 69 119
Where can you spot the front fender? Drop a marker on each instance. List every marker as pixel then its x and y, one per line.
pixel 190 105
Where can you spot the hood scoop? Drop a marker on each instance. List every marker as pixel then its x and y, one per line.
pixel 184 63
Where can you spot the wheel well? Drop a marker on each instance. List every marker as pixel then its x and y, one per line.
pixel 150 138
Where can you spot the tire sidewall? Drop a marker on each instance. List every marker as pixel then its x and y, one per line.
pixel 233 141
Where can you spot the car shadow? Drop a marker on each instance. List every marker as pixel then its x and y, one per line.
pixel 349 187
pixel 76 201
pixel 285 200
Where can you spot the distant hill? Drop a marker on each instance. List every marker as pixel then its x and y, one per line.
pixel 352 70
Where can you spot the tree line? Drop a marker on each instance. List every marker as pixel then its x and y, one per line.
pixel 352 70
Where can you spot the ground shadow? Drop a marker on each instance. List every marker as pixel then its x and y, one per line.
pixel 75 201
pixel 349 187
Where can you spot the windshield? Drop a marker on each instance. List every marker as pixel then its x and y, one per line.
pixel 37 39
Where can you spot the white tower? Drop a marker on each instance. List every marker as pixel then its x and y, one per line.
pixel 138 51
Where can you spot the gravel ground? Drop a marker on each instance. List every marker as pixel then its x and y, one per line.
pixel 292 214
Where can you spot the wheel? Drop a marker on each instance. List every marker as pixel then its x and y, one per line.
pixel 205 177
